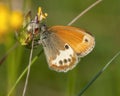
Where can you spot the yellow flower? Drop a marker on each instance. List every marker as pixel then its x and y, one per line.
pixel 16 19
pixel 9 21
pixel 41 15
pixel 4 17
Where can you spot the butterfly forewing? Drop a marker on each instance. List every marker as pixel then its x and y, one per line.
pixel 80 41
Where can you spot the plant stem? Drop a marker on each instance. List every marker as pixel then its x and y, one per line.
pixel 23 73
pixel 28 72
pixel 71 83
pixel 98 74
pixel 83 12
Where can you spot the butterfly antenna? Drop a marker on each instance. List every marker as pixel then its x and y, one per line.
pixel 83 12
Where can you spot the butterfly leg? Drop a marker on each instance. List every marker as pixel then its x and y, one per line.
pixel 37 42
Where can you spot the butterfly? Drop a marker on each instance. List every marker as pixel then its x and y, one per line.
pixel 64 46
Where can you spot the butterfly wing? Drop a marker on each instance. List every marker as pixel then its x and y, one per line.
pixel 60 55
pixel 79 40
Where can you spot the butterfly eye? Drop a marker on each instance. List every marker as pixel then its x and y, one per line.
pixel 43 27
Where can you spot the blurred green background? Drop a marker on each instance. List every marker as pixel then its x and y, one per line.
pixel 103 21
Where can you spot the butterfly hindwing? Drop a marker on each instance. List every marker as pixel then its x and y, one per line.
pixel 60 56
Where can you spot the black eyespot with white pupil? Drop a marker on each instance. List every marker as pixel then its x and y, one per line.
pixel 86 40
pixel 60 62
pixel 66 47
pixel 69 59
pixel 64 61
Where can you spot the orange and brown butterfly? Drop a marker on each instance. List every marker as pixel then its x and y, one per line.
pixel 65 45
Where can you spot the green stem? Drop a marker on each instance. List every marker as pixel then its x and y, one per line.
pixel 71 83
pixel 23 73
pixel 11 68
pixel 98 74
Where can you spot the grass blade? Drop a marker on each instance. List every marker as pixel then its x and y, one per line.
pixel 23 73
pixel 98 74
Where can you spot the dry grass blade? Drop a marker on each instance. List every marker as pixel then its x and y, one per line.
pixel 29 65
pixel 85 11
